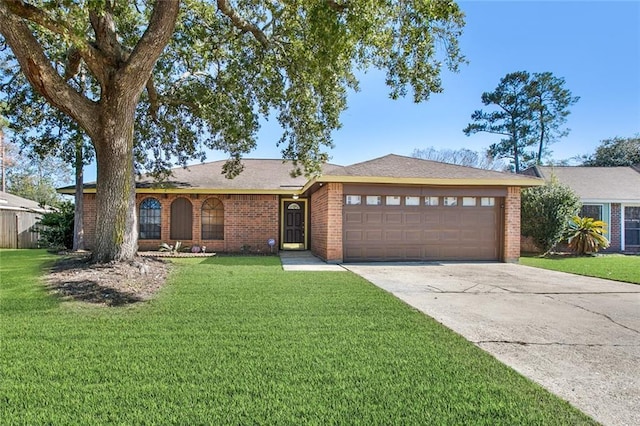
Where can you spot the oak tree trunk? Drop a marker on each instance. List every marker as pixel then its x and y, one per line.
pixel 116 222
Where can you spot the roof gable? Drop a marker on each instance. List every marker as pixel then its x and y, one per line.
pixel 394 166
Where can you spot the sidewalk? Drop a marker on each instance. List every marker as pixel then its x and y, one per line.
pixel 305 261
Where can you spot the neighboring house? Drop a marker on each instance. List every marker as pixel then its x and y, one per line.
pixel 18 218
pixel 389 208
pixel 611 194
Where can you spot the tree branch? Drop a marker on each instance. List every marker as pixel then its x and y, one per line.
pixel 242 24
pixel 36 15
pixel 38 69
pixel 139 65
pixel 153 99
pixel 338 7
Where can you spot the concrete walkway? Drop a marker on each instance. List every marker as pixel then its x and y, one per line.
pixel 578 337
pixel 305 261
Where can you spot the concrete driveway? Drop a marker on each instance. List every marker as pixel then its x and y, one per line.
pixel 578 337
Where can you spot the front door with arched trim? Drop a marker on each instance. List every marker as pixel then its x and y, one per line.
pixel 293 224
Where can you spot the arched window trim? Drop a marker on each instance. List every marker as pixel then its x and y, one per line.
pixel 150 219
pixel 181 226
pixel 212 219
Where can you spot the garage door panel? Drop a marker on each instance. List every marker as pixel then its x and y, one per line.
pixel 488 235
pixel 413 253
pixel 413 218
pixel 353 253
pixel 372 218
pixel 453 218
pixel 353 236
pixel 373 235
pixel 432 218
pixel 353 217
pixel 393 218
pixel 431 235
pixel 422 232
pixel 470 235
pixel 413 236
pixel 449 235
pixel 392 235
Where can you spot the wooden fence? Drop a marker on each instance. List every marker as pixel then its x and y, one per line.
pixel 18 229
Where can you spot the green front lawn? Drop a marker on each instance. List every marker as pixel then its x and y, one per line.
pixel 612 266
pixel 239 341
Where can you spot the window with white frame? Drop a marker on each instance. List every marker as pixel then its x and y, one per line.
pixel 591 210
pixel 374 200
pixel 450 201
pixel 392 200
pixel 411 201
pixel 431 201
pixel 487 201
pixel 354 200
pixel 632 226
pixel 468 201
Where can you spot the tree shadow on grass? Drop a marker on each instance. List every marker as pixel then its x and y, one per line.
pixel 92 292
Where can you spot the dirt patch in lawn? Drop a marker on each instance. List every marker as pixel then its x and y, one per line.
pixel 109 284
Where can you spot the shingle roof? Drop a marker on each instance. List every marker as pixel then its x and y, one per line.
pixel 401 167
pixel 605 184
pixel 258 174
pixel 13 202
pixel 273 176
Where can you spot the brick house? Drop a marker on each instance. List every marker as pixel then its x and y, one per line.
pixel 611 194
pixel 389 208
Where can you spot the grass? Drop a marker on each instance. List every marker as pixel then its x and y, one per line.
pixel 239 341
pixel 611 266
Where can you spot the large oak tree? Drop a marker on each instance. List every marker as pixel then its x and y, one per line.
pixel 152 83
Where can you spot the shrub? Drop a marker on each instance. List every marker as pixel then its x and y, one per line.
pixel 56 228
pixel 546 211
pixel 585 235
pixel 170 248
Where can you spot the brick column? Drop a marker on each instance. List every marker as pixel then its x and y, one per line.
pixel 334 223
pixel 511 249
pixel 614 233
pixel 326 222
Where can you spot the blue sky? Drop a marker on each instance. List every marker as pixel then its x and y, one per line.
pixel 594 46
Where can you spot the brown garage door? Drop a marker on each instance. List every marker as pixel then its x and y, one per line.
pixel 421 228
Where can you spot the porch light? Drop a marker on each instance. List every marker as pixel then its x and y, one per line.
pixel 296 196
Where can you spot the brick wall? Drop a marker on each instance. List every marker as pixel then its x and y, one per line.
pixel 615 229
pixel 326 222
pixel 512 225
pixel 89 220
pixel 249 220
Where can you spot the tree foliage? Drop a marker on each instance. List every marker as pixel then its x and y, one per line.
pixel 461 157
pixel 546 211
pixel 616 152
pixel 184 77
pixel 35 178
pixel 56 227
pixel 531 110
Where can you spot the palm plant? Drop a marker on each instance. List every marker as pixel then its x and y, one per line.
pixel 586 235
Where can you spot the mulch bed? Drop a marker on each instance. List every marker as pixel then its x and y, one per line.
pixel 76 278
